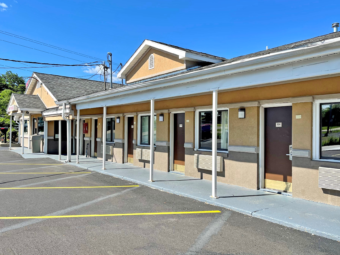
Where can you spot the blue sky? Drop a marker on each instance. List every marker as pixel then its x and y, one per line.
pixel 223 28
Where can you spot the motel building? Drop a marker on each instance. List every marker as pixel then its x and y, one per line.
pixel 268 120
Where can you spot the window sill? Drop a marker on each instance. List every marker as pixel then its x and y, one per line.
pixel 211 151
pixel 145 145
pixel 327 160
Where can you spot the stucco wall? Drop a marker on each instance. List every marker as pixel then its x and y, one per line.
pixel 302 128
pixel 45 97
pixel 163 62
pixel 50 126
pixel 244 132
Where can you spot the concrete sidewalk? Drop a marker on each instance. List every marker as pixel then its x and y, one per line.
pixel 315 218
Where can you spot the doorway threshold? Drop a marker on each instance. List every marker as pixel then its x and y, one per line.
pixel 277 192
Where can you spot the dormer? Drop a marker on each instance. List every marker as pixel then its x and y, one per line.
pixel 153 59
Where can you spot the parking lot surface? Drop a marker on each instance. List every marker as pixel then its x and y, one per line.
pixel 48 207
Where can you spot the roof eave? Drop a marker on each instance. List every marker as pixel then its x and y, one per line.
pixel 234 67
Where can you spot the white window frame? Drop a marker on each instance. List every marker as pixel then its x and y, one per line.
pixel 153 62
pixel 139 129
pixel 316 128
pixel 197 128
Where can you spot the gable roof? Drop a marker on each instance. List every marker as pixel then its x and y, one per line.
pixel 182 53
pixel 291 46
pixel 25 101
pixel 65 88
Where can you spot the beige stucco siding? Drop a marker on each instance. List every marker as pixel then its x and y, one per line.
pixel 50 126
pixel 45 97
pixel 164 62
pixel 162 133
pixel 244 132
pixel 302 128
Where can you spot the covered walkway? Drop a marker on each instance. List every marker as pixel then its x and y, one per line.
pixel 315 218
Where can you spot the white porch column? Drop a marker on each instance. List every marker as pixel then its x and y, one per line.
pixel 104 136
pixel 152 113
pixel 81 137
pixel 68 142
pixel 59 140
pixel 214 145
pixel 23 134
pixel 74 137
pixel 29 126
pixel 45 136
pixel 78 135
pixel 10 132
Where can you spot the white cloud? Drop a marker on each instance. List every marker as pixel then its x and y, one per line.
pixel 3 7
pixel 99 70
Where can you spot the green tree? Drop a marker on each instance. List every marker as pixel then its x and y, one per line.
pixel 9 83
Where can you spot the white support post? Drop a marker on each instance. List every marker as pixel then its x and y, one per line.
pixel 23 134
pixel 45 136
pixel 74 137
pixel 214 145
pixel 59 138
pixel 78 135
pixel 68 142
pixel 152 113
pixel 81 137
pixel 29 126
pixel 10 132
pixel 104 136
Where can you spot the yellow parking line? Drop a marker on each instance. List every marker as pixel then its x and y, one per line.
pixel 27 164
pixel 84 187
pixel 106 215
pixel 47 173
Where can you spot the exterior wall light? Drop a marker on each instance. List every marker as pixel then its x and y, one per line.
pixel 241 113
pixel 118 119
pixel 161 117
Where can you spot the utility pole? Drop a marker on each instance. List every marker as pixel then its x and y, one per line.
pixel 109 59
pixel 104 67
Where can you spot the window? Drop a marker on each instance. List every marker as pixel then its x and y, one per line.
pixel 205 130
pixel 151 61
pixel 25 127
pixel 110 129
pixel 35 129
pixel 330 131
pixel 145 130
pixel 40 125
pixel 56 130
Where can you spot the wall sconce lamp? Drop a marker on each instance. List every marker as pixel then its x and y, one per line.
pixel 241 113
pixel 118 119
pixel 161 117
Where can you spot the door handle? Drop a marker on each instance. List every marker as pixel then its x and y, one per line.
pixel 290 152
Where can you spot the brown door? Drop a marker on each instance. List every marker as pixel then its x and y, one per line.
pixel 130 139
pixel 95 136
pixel 278 138
pixel 179 139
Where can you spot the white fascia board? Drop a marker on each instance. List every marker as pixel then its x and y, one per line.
pixel 29 85
pixel 10 102
pixel 254 64
pixel 195 57
pixel 141 50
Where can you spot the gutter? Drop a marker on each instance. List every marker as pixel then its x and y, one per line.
pixel 240 66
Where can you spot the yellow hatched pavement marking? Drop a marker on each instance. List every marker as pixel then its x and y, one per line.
pixel 106 215
pixel 47 173
pixel 27 164
pixel 80 187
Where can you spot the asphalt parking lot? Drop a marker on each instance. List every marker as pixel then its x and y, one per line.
pixel 52 208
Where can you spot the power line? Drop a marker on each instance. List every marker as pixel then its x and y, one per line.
pixel 47 45
pixel 40 63
pixel 40 50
